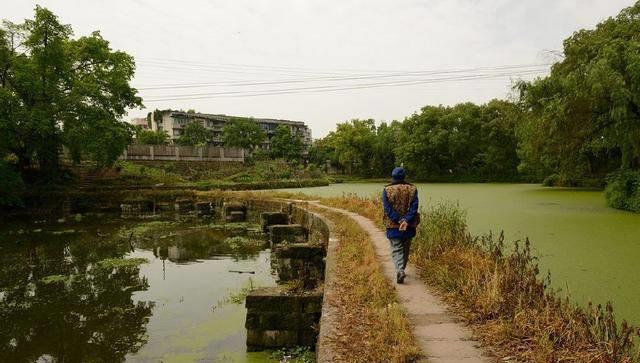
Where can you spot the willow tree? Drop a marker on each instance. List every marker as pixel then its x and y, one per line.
pixel 57 90
pixel 584 118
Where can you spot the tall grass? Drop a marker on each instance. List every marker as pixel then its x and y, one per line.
pixel 510 307
pixel 372 326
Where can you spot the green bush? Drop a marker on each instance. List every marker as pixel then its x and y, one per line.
pixel 11 185
pixel 551 180
pixel 623 190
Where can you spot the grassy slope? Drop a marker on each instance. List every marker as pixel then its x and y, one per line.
pixel 206 176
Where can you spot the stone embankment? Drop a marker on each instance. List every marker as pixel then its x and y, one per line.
pixel 289 314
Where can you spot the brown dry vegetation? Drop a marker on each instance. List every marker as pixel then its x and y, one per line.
pixel 372 326
pixel 510 308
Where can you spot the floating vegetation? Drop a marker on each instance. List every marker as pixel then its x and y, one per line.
pixel 111 263
pixel 53 279
pixel 237 297
pixel 145 228
pixel 299 354
pixel 66 231
pixel 237 243
pixel 232 226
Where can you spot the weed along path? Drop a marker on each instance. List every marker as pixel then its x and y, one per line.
pixel 442 338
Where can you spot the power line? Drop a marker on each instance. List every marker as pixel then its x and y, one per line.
pixel 292 68
pixel 333 88
pixel 335 78
pixel 216 67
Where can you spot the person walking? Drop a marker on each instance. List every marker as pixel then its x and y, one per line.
pixel 401 217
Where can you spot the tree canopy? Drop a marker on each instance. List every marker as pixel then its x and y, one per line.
pixel 285 144
pixel 243 133
pixel 583 120
pixel 150 137
pixel 194 134
pixel 56 90
pixel 465 141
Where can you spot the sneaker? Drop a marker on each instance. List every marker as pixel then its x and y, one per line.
pixel 400 277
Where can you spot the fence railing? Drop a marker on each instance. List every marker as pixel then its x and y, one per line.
pixel 182 153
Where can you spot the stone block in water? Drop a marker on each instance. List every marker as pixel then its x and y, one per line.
pixel 290 233
pixel 299 261
pixel 271 218
pixel 205 208
pixel 277 317
pixel 136 207
pixel 235 212
pixel 184 205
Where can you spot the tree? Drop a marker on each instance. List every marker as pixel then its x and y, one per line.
pixel 194 134
pixel 285 144
pixel 322 150
pixel 244 133
pixel 150 137
pixel 465 141
pixel 353 142
pixel 383 159
pixel 58 91
pixel 584 118
pixel 499 158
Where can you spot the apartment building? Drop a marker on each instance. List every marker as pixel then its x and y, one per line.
pixel 174 121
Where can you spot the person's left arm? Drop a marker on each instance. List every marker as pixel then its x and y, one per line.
pixel 413 209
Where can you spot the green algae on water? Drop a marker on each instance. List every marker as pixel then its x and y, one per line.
pixel 111 263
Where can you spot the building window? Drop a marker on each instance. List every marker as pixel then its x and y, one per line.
pixel 176 132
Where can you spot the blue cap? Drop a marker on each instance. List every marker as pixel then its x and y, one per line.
pixel 398 174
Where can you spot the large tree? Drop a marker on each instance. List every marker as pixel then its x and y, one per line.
pixel 194 134
pixel 465 141
pixel 584 118
pixel 56 90
pixel 285 144
pixel 242 132
pixel 354 142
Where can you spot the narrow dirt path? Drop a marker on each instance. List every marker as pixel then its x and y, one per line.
pixel 441 336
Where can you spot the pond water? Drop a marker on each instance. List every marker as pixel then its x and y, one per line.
pixel 104 289
pixel 592 251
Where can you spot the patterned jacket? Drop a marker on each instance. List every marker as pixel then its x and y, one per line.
pixel 400 204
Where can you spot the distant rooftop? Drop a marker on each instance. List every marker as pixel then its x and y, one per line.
pixel 226 117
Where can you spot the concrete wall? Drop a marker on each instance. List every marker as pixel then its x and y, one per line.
pixel 182 153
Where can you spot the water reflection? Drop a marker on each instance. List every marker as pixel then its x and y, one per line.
pixel 58 302
pixel 67 296
pixel 204 243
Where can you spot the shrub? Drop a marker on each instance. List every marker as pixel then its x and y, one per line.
pixel 623 190
pixel 11 185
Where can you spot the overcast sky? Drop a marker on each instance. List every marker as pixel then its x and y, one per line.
pixel 325 62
